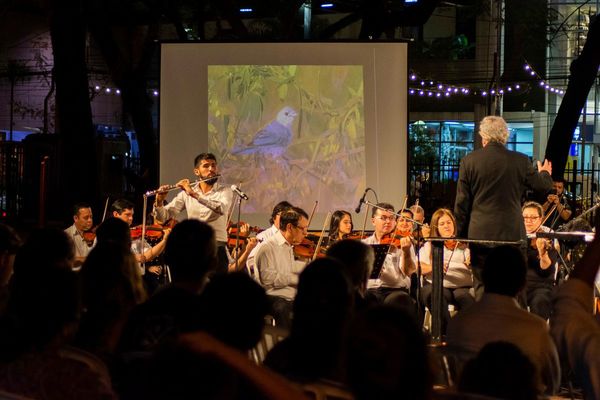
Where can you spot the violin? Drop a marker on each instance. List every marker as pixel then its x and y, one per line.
pixel 395 238
pixel 452 245
pixel 154 232
pixel 306 249
pixel 242 232
pixel 89 236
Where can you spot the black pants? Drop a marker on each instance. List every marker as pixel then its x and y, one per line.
pixel 539 298
pixel 281 310
pixel 222 259
pixel 398 297
pixel 460 297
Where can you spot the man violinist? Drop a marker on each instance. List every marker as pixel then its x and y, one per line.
pixel 278 270
pixel 208 201
pixel 82 222
pixel 393 282
pixel 562 212
pixel 144 252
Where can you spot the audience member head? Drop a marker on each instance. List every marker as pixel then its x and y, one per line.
pixel 357 259
pixel 340 225
pixel 322 309
pixel 114 230
pixel 237 323
pixel 277 210
pixel 180 373
pixel 501 371
pixel 9 244
pixel 493 129
pixel 191 251
pixel 45 297
pixel 110 276
pixel 324 295
pixel 112 286
pixel 387 356
pixel 504 271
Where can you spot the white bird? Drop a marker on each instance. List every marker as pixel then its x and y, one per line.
pixel 274 138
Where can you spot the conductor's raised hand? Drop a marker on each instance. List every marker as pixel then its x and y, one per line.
pixel 546 166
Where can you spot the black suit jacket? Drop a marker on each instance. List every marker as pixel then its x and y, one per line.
pixel 491 183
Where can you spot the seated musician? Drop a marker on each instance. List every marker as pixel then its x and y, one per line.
pixel 558 204
pixel 277 268
pixel 393 282
pixel 340 226
pixel 261 237
pixel 82 222
pixel 238 263
pixel 143 251
pixel 541 262
pixel 458 280
pixel 274 221
pixel 419 216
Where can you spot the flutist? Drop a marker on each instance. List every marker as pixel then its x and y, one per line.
pixel 206 200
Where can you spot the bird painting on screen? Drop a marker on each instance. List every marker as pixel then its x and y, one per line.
pixel 274 139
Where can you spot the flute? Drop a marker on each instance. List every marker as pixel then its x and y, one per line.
pixel 173 187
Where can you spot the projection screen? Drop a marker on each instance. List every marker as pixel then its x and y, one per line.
pixel 302 122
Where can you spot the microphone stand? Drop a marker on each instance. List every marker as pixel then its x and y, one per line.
pixel 237 235
pixel 420 312
pixel 437 263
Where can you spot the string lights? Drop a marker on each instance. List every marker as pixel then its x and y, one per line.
pixel 541 82
pixel 435 89
pixel 97 89
pixel 427 88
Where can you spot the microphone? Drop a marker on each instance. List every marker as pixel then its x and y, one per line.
pixel 239 192
pixel 362 200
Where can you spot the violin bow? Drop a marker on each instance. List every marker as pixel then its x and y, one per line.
pixel 318 248
pixel 312 213
pixel 105 208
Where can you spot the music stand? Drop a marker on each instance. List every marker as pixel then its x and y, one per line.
pixel 381 251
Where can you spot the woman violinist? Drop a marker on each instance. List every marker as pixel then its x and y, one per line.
pixel 340 226
pixel 458 280
pixel 541 262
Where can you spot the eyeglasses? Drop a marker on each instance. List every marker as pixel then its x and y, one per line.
pixel 385 219
pixel 530 217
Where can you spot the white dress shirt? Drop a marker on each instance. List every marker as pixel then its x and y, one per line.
pixel 392 273
pixel 267 233
pixel 277 268
pixel 458 274
pixel 211 207
pixel 82 249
